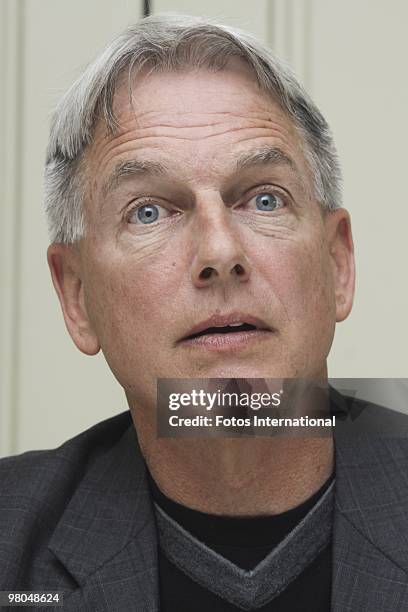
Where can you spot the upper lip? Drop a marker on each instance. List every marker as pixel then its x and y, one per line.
pixel 218 320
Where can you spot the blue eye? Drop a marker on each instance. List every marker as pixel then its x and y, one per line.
pixel 268 201
pixel 147 213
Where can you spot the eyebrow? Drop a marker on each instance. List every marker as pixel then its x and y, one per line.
pixel 259 157
pixel 267 156
pixel 131 167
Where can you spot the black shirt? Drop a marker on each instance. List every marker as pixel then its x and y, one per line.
pixel 244 542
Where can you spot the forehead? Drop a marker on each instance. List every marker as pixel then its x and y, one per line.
pixel 191 90
pixel 196 121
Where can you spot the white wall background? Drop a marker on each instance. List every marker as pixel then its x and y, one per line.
pixel 352 58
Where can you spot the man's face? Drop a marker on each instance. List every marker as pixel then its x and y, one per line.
pixel 202 205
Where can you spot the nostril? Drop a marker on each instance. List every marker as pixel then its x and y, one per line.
pixel 206 273
pixel 239 269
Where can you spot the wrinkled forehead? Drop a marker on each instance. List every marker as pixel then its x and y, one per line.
pixel 235 77
pixel 183 95
pixel 195 118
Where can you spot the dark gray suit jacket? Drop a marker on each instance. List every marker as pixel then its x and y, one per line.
pixel 79 518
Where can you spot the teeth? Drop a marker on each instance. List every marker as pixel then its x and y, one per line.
pixel 235 324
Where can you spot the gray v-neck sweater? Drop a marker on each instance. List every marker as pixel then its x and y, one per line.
pixel 249 589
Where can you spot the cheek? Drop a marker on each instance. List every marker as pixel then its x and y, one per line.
pixel 128 299
pixel 299 272
pixel 128 306
pixel 300 276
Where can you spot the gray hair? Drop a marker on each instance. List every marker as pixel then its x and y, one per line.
pixel 165 42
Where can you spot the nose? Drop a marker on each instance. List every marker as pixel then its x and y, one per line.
pixel 219 254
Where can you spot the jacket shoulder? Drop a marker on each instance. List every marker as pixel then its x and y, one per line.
pixel 36 487
pixel 32 473
pixel 358 417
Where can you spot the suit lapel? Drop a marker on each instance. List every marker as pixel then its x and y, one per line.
pixel 370 538
pixel 106 538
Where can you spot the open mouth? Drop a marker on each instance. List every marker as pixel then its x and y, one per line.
pixel 227 332
pixel 226 329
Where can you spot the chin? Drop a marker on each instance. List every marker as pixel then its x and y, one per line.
pixel 243 371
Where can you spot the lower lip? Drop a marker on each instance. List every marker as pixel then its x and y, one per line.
pixel 225 342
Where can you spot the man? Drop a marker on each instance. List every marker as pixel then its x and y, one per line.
pixel 192 191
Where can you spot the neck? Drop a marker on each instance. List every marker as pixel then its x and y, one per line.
pixel 246 476
pixel 240 477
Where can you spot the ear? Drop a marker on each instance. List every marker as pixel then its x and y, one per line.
pixel 341 250
pixel 65 266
